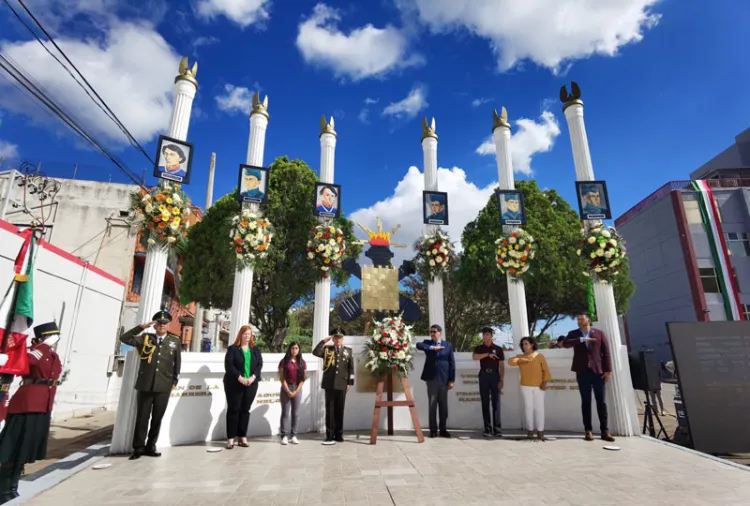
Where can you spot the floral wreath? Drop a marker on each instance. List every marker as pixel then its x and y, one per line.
pixel 326 248
pixel 390 347
pixel 604 250
pixel 514 253
pixel 434 254
pixel 250 237
pixel 163 213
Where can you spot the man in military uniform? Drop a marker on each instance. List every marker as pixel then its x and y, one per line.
pixel 157 376
pixel 25 435
pixel 251 184
pixel 338 377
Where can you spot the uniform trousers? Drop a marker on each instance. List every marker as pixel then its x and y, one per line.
pixel 335 401
pixel 533 405
pixel 151 405
pixel 239 401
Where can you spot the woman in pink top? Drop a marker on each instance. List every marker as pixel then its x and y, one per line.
pixel 534 378
pixel 292 374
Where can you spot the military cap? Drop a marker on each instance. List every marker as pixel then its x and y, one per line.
pixel 253 172
pixel 590 188
pixel 510 197
pixel 337 332
pixel 46 330
pixel 162 316
pixel 437 198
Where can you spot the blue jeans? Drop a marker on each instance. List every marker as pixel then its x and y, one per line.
pixel 588 381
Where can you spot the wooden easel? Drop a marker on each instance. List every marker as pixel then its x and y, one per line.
pixel 387 382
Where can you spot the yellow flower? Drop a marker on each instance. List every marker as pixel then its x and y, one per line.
pixel 164 217
pixel 162 208
pixel 176 211
pixel 169 200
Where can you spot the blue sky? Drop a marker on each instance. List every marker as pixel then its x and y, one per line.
pixel 663 83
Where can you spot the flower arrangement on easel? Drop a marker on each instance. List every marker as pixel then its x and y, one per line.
pixel 434 254
pixel 162 212
pixel 390 347
pixel 514 253
pixel 250 237
pixel 326 248
pixel 604 251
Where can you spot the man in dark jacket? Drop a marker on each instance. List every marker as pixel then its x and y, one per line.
pixel 338 377
pixel 157 375
pixel 592 364
pixel 439 373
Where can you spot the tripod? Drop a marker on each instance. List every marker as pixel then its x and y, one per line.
pixel 649 413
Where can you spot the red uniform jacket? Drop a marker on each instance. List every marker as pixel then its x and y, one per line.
pixel 44 365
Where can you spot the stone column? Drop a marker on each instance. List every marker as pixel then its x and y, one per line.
pixel 519 318
pixel 623 417
pixel 243 276
pixel 152 287
pixel 322 314
pixel 435 301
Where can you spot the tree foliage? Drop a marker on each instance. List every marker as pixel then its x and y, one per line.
pixel 285 276
pixel 555 284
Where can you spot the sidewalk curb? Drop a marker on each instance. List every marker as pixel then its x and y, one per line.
pixel 699 454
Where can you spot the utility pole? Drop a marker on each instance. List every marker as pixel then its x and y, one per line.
pixel 195 342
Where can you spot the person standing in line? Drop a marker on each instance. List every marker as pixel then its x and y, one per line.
pixel 338 378
pixel 158 374
pixel 592 364
pixel 292 375
pixel 440 374
pixel 491 373
pixel 243 364
pixel 26 432
pixel 534 378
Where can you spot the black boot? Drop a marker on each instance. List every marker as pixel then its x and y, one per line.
pixel 6 485
pixel 15 478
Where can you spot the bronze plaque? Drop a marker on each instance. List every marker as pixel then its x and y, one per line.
pixel 379 288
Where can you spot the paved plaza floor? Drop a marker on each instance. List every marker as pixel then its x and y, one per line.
pixel 399 471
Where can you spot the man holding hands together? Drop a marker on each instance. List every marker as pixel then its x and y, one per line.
pixel 491 372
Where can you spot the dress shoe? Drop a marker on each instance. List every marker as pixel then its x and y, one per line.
pixel 445 433
pixel 606 436
pixel 433 434
pixel 487 433
pixel 589 436
pixel 339 439
pixel 134 456
pixel 540 436
pixel 151 452
pixel 498 433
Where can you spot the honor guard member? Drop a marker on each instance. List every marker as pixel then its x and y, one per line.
pixel 157 376
pixel 24 437
pixel 338 377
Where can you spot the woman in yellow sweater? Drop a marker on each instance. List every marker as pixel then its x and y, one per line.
pixel 534 377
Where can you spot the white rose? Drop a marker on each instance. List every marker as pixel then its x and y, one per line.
pixel 606 233
pixel 324 268
pixel 432 263
pixel 400 355
pixel 512 240
pixel 239 256
pixel 600 252
pixel 578 252
pixel 149 208
pixel 591 240
pixel 171 239
pixel 383 355
pixel 151 241
pixel 438 259
pixel 521 242
pixel 593 255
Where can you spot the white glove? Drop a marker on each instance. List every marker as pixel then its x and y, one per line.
pixel 3 359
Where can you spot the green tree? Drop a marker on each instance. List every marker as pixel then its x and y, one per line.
pixel 285 276
pixel 555 286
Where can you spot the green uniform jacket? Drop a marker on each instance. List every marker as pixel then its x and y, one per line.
pixel 338 368
pixel 160 365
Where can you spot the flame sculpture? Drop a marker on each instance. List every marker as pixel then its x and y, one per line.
pixel 380 238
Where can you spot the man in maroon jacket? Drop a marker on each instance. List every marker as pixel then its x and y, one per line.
pixel 592 364
pixel 24 437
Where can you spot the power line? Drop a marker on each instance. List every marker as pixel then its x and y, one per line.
pixel 106 109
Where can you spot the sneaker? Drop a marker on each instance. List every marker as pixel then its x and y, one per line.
pixel 284 440
pixel 498 432
pixel 329 442
pixel 487 433
pixel 294 440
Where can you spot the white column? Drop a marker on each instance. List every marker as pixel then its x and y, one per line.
pixel 623 417
pixel 154 269
pixel 519 318
pixel 435 300
pixel 243 276
pixel 322 311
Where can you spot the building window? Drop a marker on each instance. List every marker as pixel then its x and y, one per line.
pixel 746 311
pixel 739 244
pixel 135 284
pixel 708 280
pixel 692 211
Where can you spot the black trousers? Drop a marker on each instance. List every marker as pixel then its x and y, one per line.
pixel 151 405
pixel 490 395
pixel 588 381
pixel 437 397
pixel 335 402
pixel 239 400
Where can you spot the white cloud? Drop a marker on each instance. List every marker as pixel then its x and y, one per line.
pixel 242 12
pixel 371 101
pixel 364 52
pixel 235 99
pixel 551 33
pixel 480 101
pixel 139 90
pixel 8 151
pixel 527 140
pixel 404 208
pixel 410 106
pixel 364 116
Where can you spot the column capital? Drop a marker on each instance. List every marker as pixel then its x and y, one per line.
pixel 259 107
pixel 186 73
pixel 500 120
pixel 428 130
pixel 572 98
pixel 327 127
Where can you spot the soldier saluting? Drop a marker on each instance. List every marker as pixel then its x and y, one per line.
pixel 338 377
pixel 24 438
pixel 157 375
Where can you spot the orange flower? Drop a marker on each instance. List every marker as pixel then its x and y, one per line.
pixel 263 247
pixel 238 241
pixel 159 197
pixel 244 224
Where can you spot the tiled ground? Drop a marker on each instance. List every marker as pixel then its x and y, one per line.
pixel 567 471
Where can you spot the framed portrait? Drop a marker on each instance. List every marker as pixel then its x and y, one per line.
pixel 435 207
pixel 593 201
pixel 327 203
pixel 174 160
pixel 253 184
pixel 510 203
